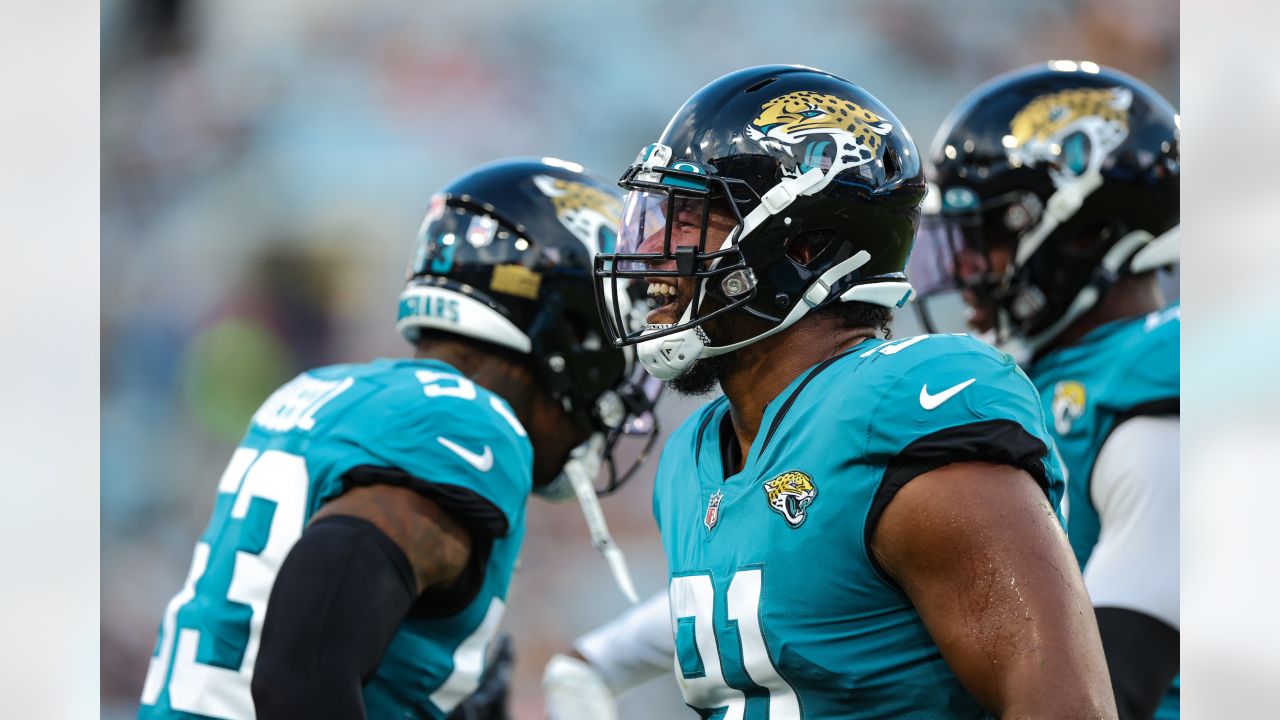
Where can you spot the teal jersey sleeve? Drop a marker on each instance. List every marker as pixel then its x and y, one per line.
pixel 429 423
pixel 1121 370
pixel 416 423
pixel 952 398
pixel 1149 387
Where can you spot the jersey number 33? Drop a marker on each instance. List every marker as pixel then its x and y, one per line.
pixel 261 507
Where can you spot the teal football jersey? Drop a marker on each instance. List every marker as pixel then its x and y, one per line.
pixel 302 449
pixel 1120 370
pixel 778 608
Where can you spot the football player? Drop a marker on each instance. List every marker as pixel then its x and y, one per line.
pixel 364 535
pixel 1058 202
pixel 860 527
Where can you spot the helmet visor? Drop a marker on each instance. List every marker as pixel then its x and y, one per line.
pixel 655 223
pixel 951 271
pixel 678 233
pixel 948 255
pixel 456 236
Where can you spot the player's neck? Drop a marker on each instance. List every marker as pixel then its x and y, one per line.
pixel 1128 298
pixel 491 369
pixel 761 371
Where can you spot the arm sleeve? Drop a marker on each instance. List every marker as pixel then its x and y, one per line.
pixel 1134 487
pixel 483 522
pixel 337 601
pixel 633 648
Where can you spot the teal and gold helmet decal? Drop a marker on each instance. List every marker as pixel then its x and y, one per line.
pixel 589 213
pixel 1070 130
pixel 820 131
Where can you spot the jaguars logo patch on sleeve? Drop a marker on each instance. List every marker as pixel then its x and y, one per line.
pixel 790 495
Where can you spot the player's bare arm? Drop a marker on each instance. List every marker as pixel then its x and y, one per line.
pixel 436 546
pixel 980 553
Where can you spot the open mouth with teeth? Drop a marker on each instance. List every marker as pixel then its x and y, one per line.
pixel 669 298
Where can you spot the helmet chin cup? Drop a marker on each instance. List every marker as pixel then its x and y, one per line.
pixel 1015 348
pixel 670 356
pixel 584 460
pixel 558 490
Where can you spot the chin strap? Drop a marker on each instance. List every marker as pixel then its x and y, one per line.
pixel 782 195
pixel 1062 204
pixel 1128 248
pixel 582 468
pixel 1161 251
pixel 668 357
pixel 814 296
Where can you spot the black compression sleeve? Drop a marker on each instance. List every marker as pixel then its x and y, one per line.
pixel 1142 655
pixel 338 599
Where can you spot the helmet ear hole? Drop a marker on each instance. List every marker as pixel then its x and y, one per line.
pixel 577 324
pixel 892 166
pixel 804 248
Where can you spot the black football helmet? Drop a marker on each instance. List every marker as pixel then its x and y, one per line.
pixel 504 256
pixel 1070 171
pixel 778 152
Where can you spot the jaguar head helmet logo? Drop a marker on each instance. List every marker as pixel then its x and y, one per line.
pixel 589 213
pixel 1070 131
pixel 827 131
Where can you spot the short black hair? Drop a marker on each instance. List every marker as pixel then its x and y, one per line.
pixel 859 314
pixel 473 347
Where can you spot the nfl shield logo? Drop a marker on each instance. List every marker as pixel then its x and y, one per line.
pixel 713 510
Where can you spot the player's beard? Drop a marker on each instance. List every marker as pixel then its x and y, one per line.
pixel 704 375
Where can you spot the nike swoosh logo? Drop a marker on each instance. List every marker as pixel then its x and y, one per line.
pixel 929 402
pixel 482 462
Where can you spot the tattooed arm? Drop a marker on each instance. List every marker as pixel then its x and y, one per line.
pixel 343 591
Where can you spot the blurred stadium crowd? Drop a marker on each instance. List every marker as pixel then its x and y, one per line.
pixel 265 167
